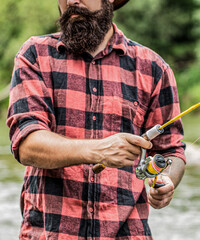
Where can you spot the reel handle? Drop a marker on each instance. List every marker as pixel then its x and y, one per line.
pixel 158 185
pixel 149 135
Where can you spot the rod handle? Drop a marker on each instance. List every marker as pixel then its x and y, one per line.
pixel 98 168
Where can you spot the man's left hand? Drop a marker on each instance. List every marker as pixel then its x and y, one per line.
pixel 161 197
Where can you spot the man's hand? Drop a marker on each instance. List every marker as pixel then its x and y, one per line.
pixel 119 150
pixel 48 150
pixel 161 197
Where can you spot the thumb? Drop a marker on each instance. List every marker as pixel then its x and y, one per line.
pixel 138 141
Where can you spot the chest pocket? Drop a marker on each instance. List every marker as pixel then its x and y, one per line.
pixel 124 116
pixel 132 116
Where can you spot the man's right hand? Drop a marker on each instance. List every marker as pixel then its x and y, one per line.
pixel 120 150
pixel 48 150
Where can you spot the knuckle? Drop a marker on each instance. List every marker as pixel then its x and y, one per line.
pixel 150 145
pixel 137 141
pixel 122 145
pixel 147 144
pixel 137 151
pixel 122 154
pixel 135 156
pixel 120 165
pixel 156 207
pixel 121 135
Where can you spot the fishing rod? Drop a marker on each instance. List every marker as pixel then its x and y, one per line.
pixel 150 167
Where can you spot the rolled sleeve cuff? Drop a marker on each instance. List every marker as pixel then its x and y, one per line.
pixel 22 132
pixel 180 155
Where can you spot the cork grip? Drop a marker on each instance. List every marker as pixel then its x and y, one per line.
pixel 98 168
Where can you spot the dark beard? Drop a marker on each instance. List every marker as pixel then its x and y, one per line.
pixel 87 31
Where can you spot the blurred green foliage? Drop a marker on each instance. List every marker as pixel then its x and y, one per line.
pixel 169 27
pixel 18 21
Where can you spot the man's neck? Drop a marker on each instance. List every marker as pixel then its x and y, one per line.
pixel 103 45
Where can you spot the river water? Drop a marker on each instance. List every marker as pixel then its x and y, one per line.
pixel 179 221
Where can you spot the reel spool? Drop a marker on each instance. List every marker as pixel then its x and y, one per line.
pixel 152 166
pixel 156 165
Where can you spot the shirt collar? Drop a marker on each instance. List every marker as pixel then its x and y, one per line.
pixel 60 46
pixel 117 42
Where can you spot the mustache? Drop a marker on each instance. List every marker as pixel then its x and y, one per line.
pixel 74 10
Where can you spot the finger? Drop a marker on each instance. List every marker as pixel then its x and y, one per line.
pixel 159 203
pixel 130 148
pixel 161 197
pixel 168 184
pixel 138 141
pixel 124 163
pixel 129 156
pixel 133 149
pixel 162 191
pixel 150 181
pixel 125 154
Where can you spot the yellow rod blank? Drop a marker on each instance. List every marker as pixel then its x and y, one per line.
pixel 154 182
pixel 179 116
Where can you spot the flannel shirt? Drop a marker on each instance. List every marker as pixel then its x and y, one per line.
pixel 125 88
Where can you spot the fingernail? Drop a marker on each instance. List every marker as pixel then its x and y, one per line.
pixel 151 145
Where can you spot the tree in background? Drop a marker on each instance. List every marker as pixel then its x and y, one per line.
pixel 18 21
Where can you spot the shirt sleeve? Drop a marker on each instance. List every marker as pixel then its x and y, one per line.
pixel 31 101
pixel 163 107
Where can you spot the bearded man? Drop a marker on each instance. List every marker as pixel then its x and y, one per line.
pixel 84 96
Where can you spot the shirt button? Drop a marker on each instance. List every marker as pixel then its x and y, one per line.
pixel 94 90
pixel 135 103
pixel 94 118
pixel 92 179
pixel 93 62
pixel 91 210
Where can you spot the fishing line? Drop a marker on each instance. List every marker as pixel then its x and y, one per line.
pixel 194 142
pixel 168 170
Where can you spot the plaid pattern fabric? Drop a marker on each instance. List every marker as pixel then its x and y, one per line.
pixel 125 88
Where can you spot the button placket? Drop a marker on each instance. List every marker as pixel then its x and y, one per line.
pixel 92 179
pixel 91 210
pixel 94 118
pixel 94 89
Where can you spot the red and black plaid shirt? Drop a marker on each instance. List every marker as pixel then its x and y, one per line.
pixel 125 88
